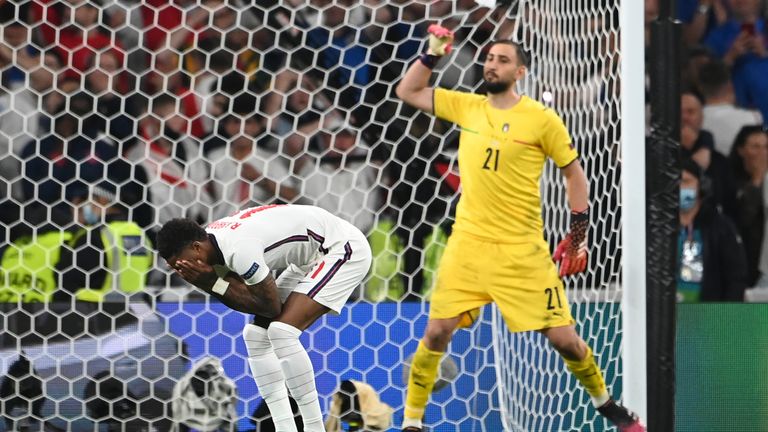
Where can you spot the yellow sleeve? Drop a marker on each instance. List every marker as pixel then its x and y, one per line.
pixel 450 105
pixel 556 142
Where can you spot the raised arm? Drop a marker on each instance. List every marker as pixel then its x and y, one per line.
pixel 414 87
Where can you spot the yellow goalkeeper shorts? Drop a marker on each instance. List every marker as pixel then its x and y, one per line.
pixel 520 278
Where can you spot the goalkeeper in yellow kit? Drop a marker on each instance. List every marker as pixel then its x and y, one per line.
pixel 497 252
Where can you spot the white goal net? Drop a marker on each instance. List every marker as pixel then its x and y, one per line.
pixel 119 115
pixel 575 52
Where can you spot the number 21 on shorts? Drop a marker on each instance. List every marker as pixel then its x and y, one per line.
pixel 553 294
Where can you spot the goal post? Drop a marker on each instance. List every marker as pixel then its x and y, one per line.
pixel 633 308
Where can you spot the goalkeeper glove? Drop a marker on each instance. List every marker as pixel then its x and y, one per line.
pixel 571 253
pixel 440 40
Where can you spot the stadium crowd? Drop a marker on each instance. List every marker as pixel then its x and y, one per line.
pixel 200 108
pixel 722 247
pixel 197 108
pixel 119 115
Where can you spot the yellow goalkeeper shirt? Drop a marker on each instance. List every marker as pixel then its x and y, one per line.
pixel 501 158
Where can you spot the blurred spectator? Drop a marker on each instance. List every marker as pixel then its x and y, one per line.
pixel 741 41
pixel 298 124
pixel 173 194
pixel 343 53
pixel 696 57
pixel 749 163
pixel 208 82
pixel 19 115
pixel 344 180
pixel 303 107
pixel 698 144
pixel 115 112
pixel 246 172
pixel 76 28
pixel 651 13
pixel 168 124
pixel 109 254
pixel 721 116
pixel 55 100
pixel 56 165
pixel 711 262
pixel 221 26
pixel 157 18
pixel 229 97
pixel 167 77
pixel 19 58
pixel 699 16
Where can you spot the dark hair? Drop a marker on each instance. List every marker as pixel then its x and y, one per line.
pixel 737 163
pixel 694 93
pixel 688 164
pixel 523 58
pixel 177 234
pixel 706 190
pixel 713 76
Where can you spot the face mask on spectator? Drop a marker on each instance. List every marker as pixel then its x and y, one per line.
pixel 687 198
pixel 89 214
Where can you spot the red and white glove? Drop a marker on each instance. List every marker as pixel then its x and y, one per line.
pixel 571 253
pixel 440 40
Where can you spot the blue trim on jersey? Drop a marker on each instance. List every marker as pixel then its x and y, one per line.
pixel 296 238
pixel 328 276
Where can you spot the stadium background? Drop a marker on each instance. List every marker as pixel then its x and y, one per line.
pixel 196 108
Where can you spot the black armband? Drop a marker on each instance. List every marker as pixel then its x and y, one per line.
pixel 429 60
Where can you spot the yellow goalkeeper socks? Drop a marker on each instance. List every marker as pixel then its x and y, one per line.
pixel 589 375
pixel 420 381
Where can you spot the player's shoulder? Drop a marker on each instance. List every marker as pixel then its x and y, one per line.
pixel 536 107
pixel 544 115
pixel 459 94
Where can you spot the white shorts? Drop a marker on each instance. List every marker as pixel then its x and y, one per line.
pixel 333 277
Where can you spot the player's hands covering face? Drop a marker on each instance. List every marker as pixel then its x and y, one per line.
pixel 196 272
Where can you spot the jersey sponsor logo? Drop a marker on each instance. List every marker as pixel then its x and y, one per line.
pixel 251 271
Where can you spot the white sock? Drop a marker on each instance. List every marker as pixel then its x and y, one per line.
pixel 298 372
pixel 411 423
pixel 269 377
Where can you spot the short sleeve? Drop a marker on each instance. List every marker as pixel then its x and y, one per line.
pixel 248 262
pixel 450 105
pixel 556 142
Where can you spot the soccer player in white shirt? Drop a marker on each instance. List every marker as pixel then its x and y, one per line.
pixel 322 259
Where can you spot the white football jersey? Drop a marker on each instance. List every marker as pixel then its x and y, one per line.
pixel 257 240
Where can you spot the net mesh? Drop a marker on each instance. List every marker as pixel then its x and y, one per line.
pixel 158 110
pixel 575 70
